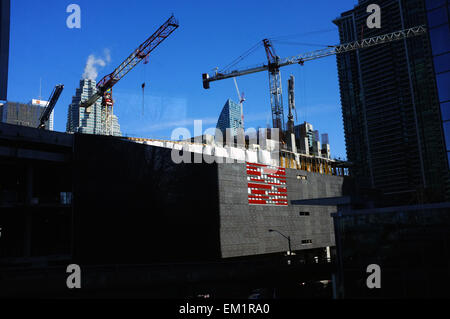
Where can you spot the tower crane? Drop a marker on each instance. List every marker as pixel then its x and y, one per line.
pixel 241 102
pixel 50 106
pixel 105 85
pixel 274 63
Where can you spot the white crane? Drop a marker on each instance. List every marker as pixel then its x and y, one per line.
pixel 274 63
pixel 241 102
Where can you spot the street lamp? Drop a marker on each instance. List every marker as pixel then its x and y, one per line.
pixel 287 237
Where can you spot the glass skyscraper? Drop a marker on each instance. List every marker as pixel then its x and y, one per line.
pixel 230 118
pixel 390 103
pixel 438 12
pixel 81 121
pixel 24 114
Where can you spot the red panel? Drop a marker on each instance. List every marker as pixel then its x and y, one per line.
pixel 255 164
pixel 252 185
pixel 257 180
pixel 282 190
pixel 253 173
pixel 255 191
pixel 262 197
pixel 252 201
pixel 274 184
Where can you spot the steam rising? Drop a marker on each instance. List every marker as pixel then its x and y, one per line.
pixel 90 70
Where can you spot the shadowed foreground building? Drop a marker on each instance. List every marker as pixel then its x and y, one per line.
pixel 409 243
pixel 128 215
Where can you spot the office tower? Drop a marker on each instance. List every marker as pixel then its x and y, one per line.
pixel 303 131
pixel 230 118
pixel 4 47
pixel 326 146
pixel 390 106
pixel 316 136
pixel 43 105
pixel 308 141
pixel 81 121
pixel 22 114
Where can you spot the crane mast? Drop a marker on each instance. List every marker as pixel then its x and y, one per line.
pixel 275 63
pixel 275 88
pixel 105 85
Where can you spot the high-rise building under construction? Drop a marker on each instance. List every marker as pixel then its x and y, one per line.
pixel 390 105
pixel 92 121
pixel 25 114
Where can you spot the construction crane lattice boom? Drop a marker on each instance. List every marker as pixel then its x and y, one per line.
pixel 56 93
pixel 274 63
pixel 137 56
pixel 298 59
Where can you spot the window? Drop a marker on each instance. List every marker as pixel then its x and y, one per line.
pixel 443 84
pixel 446 126
pixel 437 17
pixel 302 177
pixel 445 111
pixel 306 242
pixel 304 214
pixel 442 63
pixel 431 4
pixel 448 157
pixel 440 39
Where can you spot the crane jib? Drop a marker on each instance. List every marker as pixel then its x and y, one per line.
pixel 333 50
pixel 137 56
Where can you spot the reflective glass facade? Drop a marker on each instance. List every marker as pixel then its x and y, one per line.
pixel 438 12
pixel 80 121
pixel 23 114
pixel 231 117
pixel 392 97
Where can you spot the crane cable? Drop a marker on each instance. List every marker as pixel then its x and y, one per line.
pixel 143 83
pixel 241 57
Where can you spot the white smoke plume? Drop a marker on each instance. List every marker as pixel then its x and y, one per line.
pixel 90 70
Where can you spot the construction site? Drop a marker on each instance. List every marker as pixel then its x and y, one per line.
pixel 234 221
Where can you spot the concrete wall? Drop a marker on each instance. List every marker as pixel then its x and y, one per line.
pixel 244 228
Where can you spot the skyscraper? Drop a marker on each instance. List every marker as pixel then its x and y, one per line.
pixel 230 118
pixel 24 114
pixel 43 105
pixel 4 47
pixel 390 105
pixel 81 121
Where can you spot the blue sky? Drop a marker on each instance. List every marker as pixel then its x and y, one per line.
pixel 211 34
